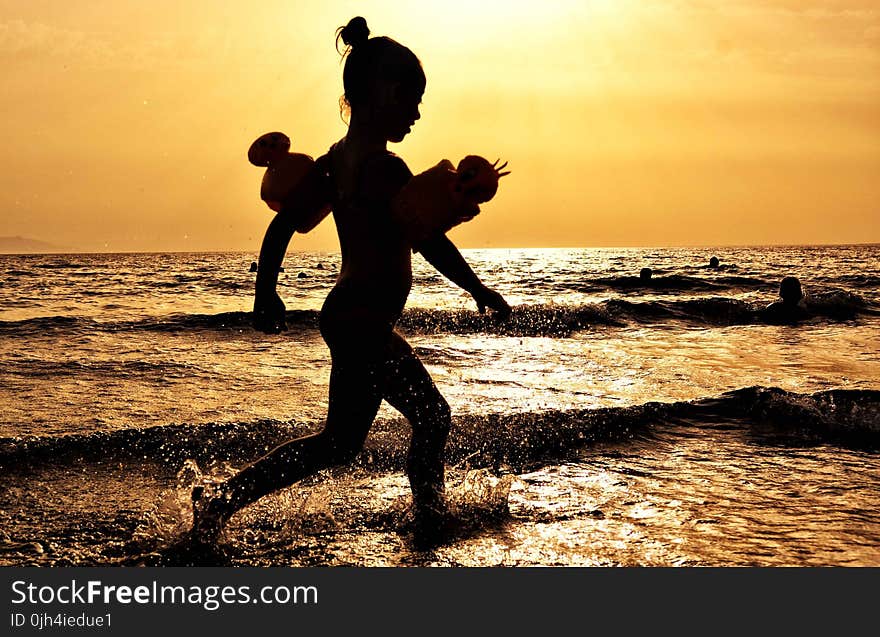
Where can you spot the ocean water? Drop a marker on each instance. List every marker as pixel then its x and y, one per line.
pixel 608 421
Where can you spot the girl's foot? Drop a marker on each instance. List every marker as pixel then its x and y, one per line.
pixel 210 514
pixel 432 525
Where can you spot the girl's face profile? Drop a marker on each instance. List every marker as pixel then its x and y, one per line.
pixel 400 111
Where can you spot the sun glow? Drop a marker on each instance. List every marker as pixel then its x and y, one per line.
pixel 624 122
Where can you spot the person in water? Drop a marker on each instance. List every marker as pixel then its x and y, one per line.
pixel 371 361
pixel 791 307
pixel 715 264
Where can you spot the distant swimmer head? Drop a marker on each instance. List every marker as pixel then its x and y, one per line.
pixel 713 262
pixel 266 148
pixel 383 81
pixel 790 290
pixel 645 274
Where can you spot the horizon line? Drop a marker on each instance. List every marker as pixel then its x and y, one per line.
pixel 582 247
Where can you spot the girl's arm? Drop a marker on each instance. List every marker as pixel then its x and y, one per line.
pixel 441 253
pixel 308 204
pixel 269 309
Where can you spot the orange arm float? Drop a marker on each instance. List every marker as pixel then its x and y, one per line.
pixel 440 198
pixel 293 181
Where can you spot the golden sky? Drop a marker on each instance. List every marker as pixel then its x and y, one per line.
pixel 626 122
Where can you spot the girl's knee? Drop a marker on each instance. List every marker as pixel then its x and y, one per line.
pixel 443 412
pixel 432 418
pixel 343 449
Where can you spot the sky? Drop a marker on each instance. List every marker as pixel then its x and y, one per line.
pixel 126 123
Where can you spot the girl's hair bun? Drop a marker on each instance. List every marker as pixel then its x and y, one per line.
pixel 355 33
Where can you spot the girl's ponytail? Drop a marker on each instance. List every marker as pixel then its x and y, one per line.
pixel 353 34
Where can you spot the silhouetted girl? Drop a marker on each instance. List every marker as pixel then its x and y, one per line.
pixel 384 83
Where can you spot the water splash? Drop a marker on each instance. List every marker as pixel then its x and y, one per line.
pixel 480 496
pixel 477 500
pixel 171 516
pixel 287 515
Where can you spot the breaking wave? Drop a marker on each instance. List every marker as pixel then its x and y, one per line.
pixel 848 417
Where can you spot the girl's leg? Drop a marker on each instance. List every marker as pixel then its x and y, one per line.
pixel 356 389
pixel 410 390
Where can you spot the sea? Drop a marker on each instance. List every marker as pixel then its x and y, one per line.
pixel 609 421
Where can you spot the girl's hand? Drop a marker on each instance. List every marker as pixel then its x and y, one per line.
pixel 486 297
pixel 269 312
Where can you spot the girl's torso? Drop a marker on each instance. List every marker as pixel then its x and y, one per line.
pixel 376 271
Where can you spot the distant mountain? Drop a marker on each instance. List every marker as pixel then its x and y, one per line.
pixel 18 245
